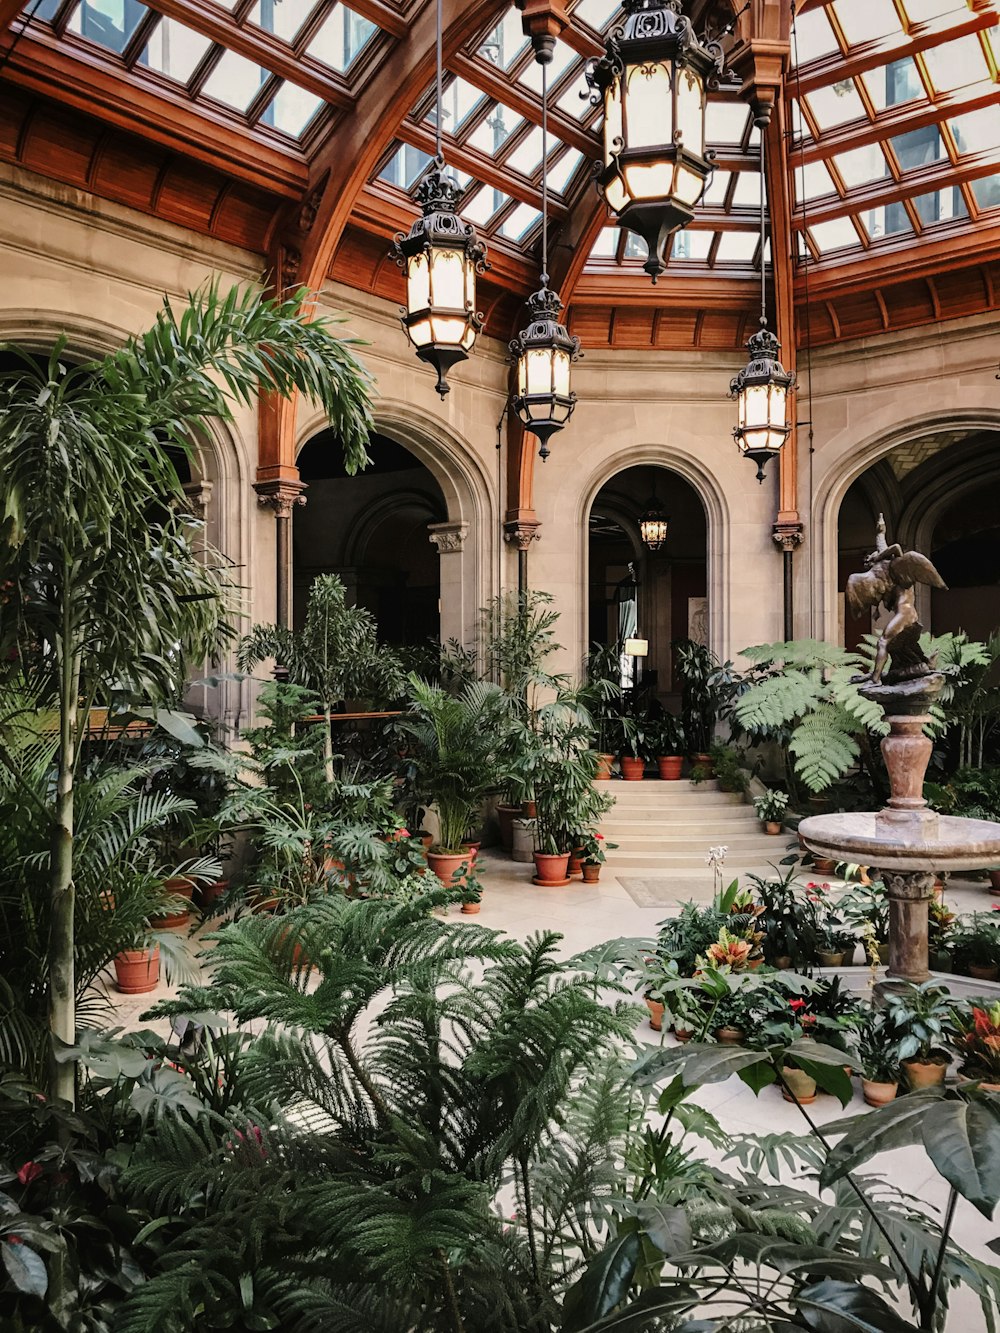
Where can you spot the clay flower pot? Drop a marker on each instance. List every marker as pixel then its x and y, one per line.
pixel 591 872
pixel 633 770
pixel 878 1094
pixel 209 894
pixel 551 870
pixel 446 864
pixel 575 866
pixel 604 763
pixel 683 1035
pixel 728 1036
pixel 783 962
pixel 506 814
pixel 799 1087
pixel 971 1078
pixel 177 888
pixel 773 827
pixel 924 1073
pixel 529 810
pixel 981 973
pixel 824 865
pixel 830 959
pixel 655 1014
pixel 137 971
pixel 669 766
pixel 471 909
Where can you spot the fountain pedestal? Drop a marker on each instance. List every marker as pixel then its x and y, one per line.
pixel 906 843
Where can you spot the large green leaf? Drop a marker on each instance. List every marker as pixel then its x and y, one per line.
pixel 897 1125
pixel 25 1269
pixel 667 1227
pixel 962 1139
pixel 604 1285
pixel 847 1307
pixel 638 1317
pixel 696 1063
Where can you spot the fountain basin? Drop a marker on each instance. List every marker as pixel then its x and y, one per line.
pixel 943 843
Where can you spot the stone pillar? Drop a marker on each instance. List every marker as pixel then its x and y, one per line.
pixel 282 497
pixel 521 533
pixel 449 538
pixel 787 536
pixel 909 893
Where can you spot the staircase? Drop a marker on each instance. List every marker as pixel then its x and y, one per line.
pixel 666 829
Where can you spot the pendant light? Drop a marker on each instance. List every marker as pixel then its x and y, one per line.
pixel 544 351
pixel 762 387
pixel 654 522
pixel 653 83
pixel 440 257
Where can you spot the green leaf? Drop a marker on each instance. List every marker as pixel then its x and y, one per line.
pixel 668 1228
pixel 25 1269
pixel 897 1125
pixel 758 1077
pixel 604 1285
pixel 847 1307
pixel 696 1063
pixel 962 1139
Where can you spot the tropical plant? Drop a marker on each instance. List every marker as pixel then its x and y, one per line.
pixel 921 1019
pixel 638 736
pixel 970 701
pixel 708 688
pixel 786 920
pixel 876 1046
pixel 101 594
pixel 770 806
pixel 602 694
pixel 594 848
pixel 564 766
pixel 970 793
pixel 727 766
pixel 335 655
pixel 866 907
pixel 668 736
pixel 977 1038
pixel 803 696
pixel 974 941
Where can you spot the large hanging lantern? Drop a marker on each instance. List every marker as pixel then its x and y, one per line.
pixel 441 257
pixel 544 353
pixel 653 524
pixel 653 82
pixel 761 390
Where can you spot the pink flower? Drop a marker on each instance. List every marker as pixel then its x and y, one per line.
pixel 29 1172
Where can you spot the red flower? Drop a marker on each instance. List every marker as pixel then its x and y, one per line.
pixel 29 1172
pixel 796 1004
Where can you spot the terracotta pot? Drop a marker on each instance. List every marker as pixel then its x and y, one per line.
pixel 529 810
pixel 878 1094
pixel 604 763
pixel 683 1034
pixel 106 899
pixel 994 880
pixel 426 839
pixel 655 1014
pixel 924 1073
pixel 209 894
pixel 824 865
pixel 772 827
pixel 259 904
pixel 575 866
pixel 633 770
pixel 137 971
pixel 506 814
pixel 984 973
pixel 471 909
pixel 799 1086
pixel 727 1036
pixel 783 962
pixel 591 873
pixel 551 869
pixel 177 888
pixel 446 864
pixel 669 766
pixel 830 959
pixel 706 762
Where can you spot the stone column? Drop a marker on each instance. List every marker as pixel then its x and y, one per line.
pixel 909 893
pixel 449 538
pixel 282 497
pixel 787 536
pixel 521 533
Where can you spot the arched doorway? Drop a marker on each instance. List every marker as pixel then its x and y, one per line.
pixel 374 531
pixel 656 595
pixel 940 494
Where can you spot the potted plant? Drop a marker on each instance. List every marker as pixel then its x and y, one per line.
pixel 637 741
pixel 920 1019
pixel 726 763
pixel 877 1050
pixel 707 688
pixel 565 796
pixel 866 907
pixel 978 1043
pixel 668 741
pixel 788 922
pixel 974 944
pixel 770 809
pixel 603 693
pixel 593 853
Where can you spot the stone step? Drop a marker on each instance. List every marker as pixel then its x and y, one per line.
pixel 736 843
pixel 687 821
pixel 626 862
pixel 636 793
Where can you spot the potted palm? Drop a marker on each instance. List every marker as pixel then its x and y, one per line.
pixel 566 799
pixel 707 689
pixel 770 809
pixel 603 693
pixel 921 1020
pixel 668 741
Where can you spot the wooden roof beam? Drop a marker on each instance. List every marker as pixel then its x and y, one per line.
pixel 939 176
pixel 706 291
pixel 865 56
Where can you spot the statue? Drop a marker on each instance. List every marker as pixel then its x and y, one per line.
pixel 889 578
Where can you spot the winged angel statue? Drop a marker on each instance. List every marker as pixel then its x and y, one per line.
pixel 889 578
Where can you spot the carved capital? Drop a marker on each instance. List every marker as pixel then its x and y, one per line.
pixel 521 533
pixel 909 885
pixel 448 537
pixel 197 495
pixel 788 535
pixel 281 496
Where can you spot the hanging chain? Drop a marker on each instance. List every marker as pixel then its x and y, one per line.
pixel 545 175
pixel 763 198
pixel 439 46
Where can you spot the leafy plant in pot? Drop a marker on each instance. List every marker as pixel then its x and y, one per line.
pixel 876 1046
pixel 974 944
pixel 707 690
pixel 921 1019
pixel 602 695
pixel 565 795
pixel 668 741
pixel 637 741
pixel 770 809
pixel 593 848
pixel 788 923
pixel 978 1042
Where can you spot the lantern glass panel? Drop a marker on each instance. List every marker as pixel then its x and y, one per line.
pixel 448 330
pixel 691 111
pixel 615 194
pixel 560 372
pixel 418 283
pixel 448 282
pixel 612 120
pixel 649 182
pixel 754 406
pixel 648 105
pixel 421 332
pixel 689 185
pixel 539 370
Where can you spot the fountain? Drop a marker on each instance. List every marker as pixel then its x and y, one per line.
pixel 907 844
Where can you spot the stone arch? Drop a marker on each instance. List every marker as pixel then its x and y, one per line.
pixel 833 486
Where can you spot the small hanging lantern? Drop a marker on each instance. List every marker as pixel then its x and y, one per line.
pixel 543 353
pixel 653 524
pixel 653 82
pixel 761 390
pixel 441 257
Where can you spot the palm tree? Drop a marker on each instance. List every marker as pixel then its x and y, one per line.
pixel 103 587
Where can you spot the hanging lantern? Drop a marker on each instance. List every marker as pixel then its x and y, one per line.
pixel 761 390
pixel 441 257
pixel 652 82
pixel 653 524
pixel 543 353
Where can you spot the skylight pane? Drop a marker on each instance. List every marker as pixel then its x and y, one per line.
pixel 481 206
pixel 520 222
pixel 495 128
pixel 504 43
pixel 976 131
pixel 692 245
pixel 47 10
pixel 747 192
pixel 174 50
pixel 110 23
pixel 886 220
pixel 891 84
pixel 527 156
pixel 291 109
pixel 813 36
pixel 920 11
pixel 836 105
pixel 736 247
pixel 940 206
pixel 835 235
pixel 956 64
pixel 811 181
pixel 725 122
pixel 575 101
pixel 282 17
pixel 341 38
pixel 405 167
pixel 598 13
pixel 918 148
pixel 987 191
pixel 861 166
pixel 563 171
pixel 606 245
pixel 864 22
pixel 562 58
pixel 634 247
pixel 235 81
pixel 715 195
pixel 459 101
